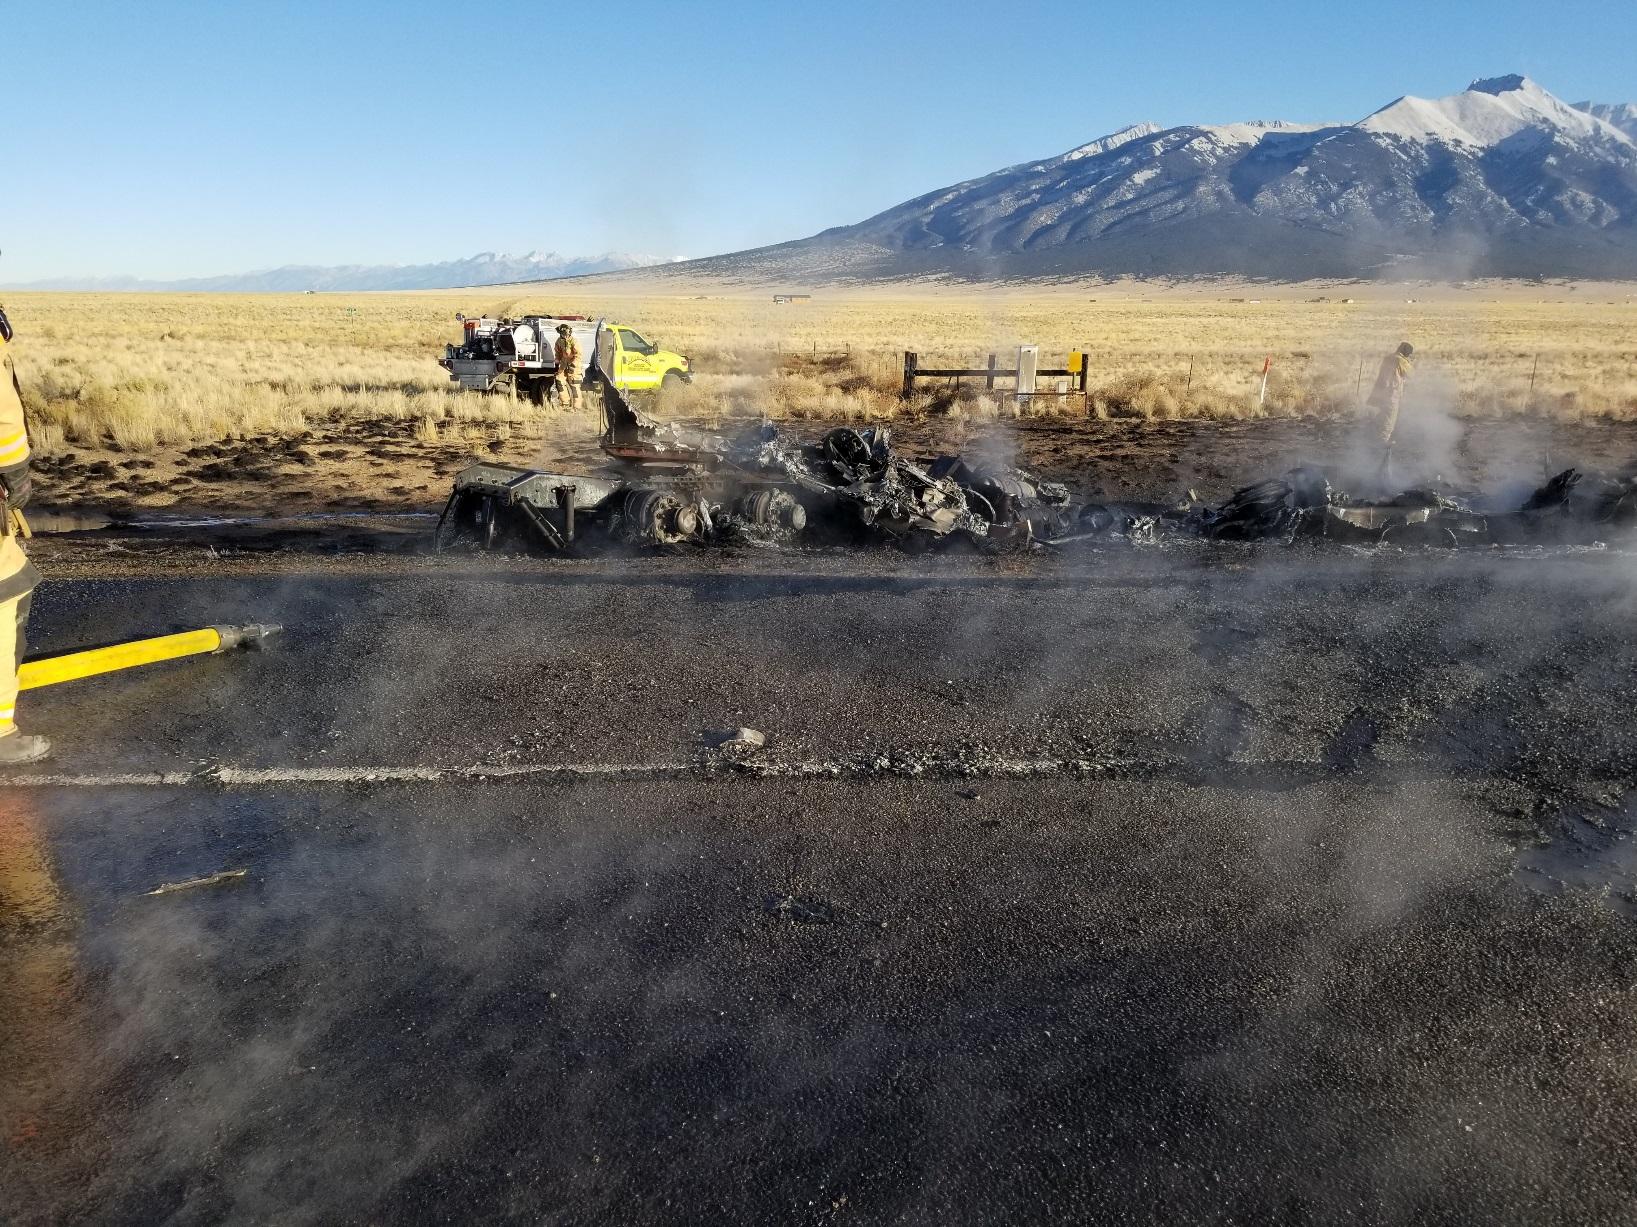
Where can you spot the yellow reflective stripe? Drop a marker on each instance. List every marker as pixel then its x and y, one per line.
pixel 11 455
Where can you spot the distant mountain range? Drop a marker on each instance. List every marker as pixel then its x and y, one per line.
pixel 1502 179
pixel 486 268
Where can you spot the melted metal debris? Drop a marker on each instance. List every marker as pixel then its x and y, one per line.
pixel 852 485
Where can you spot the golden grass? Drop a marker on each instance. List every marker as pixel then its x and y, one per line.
pixel 144 372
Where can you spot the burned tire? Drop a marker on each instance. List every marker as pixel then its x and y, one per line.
pixel 489 523
pixel 656 517
pixel 474 522
pixel 1007 530
pixel 774 510
pixel 980 505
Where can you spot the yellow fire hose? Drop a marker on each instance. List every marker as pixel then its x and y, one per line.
pixel 71 666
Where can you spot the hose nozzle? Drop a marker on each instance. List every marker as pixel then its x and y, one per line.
pixel 250 635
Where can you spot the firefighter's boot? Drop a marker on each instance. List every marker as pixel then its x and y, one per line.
pixel 18 749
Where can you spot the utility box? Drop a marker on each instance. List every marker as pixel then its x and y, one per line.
pixel 1028 362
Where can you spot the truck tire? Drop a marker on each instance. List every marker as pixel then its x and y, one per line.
pixel 668 388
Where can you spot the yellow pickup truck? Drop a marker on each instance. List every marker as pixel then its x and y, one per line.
pixel 517 357
pixel 639 364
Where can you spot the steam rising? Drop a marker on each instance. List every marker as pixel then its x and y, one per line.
pixel 1240 976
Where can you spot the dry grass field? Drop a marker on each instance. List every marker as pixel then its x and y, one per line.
pixel 152 375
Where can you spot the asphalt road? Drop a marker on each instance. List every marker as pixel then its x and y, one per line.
pixel 1209 885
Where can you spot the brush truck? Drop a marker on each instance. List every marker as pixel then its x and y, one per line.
pixel 518 357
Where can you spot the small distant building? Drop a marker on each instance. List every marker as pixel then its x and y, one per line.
pixel 792 298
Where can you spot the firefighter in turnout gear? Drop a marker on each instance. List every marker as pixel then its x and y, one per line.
pixel 1385 399
pixel 567 351
pixel 17 573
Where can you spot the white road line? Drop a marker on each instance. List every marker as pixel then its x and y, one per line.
pixel 132 779
pixel 231 776
pixel 227 775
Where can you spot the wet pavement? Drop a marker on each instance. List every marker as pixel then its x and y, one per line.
pixel 1212 886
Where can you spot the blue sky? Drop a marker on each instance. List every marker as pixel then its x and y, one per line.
pixel 172 139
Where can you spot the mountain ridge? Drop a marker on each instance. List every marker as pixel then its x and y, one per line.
pixel 1622 115
pixel 1502 179
pixel 484 268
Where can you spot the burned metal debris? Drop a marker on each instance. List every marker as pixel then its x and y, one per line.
pixel 674 487
pixel 1570 508
pixel 678 487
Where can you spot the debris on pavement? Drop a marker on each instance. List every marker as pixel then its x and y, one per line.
pixel 676 487
pixel 219 878
pixel 741 741
pixel 1570 509
pixel 802 911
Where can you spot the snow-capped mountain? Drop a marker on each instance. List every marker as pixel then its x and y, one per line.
pixel 1501 179
pixel 485 268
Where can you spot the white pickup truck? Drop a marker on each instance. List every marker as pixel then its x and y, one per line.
pixel 518 357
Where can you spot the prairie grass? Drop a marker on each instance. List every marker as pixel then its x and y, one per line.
pixel 152 372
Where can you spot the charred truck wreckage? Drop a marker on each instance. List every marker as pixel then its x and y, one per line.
pixel 678 487
pixel 684 487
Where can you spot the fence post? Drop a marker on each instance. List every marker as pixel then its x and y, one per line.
pixel 1529 403
pixel 989 381
pixel 909 374
pixel 1085 369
